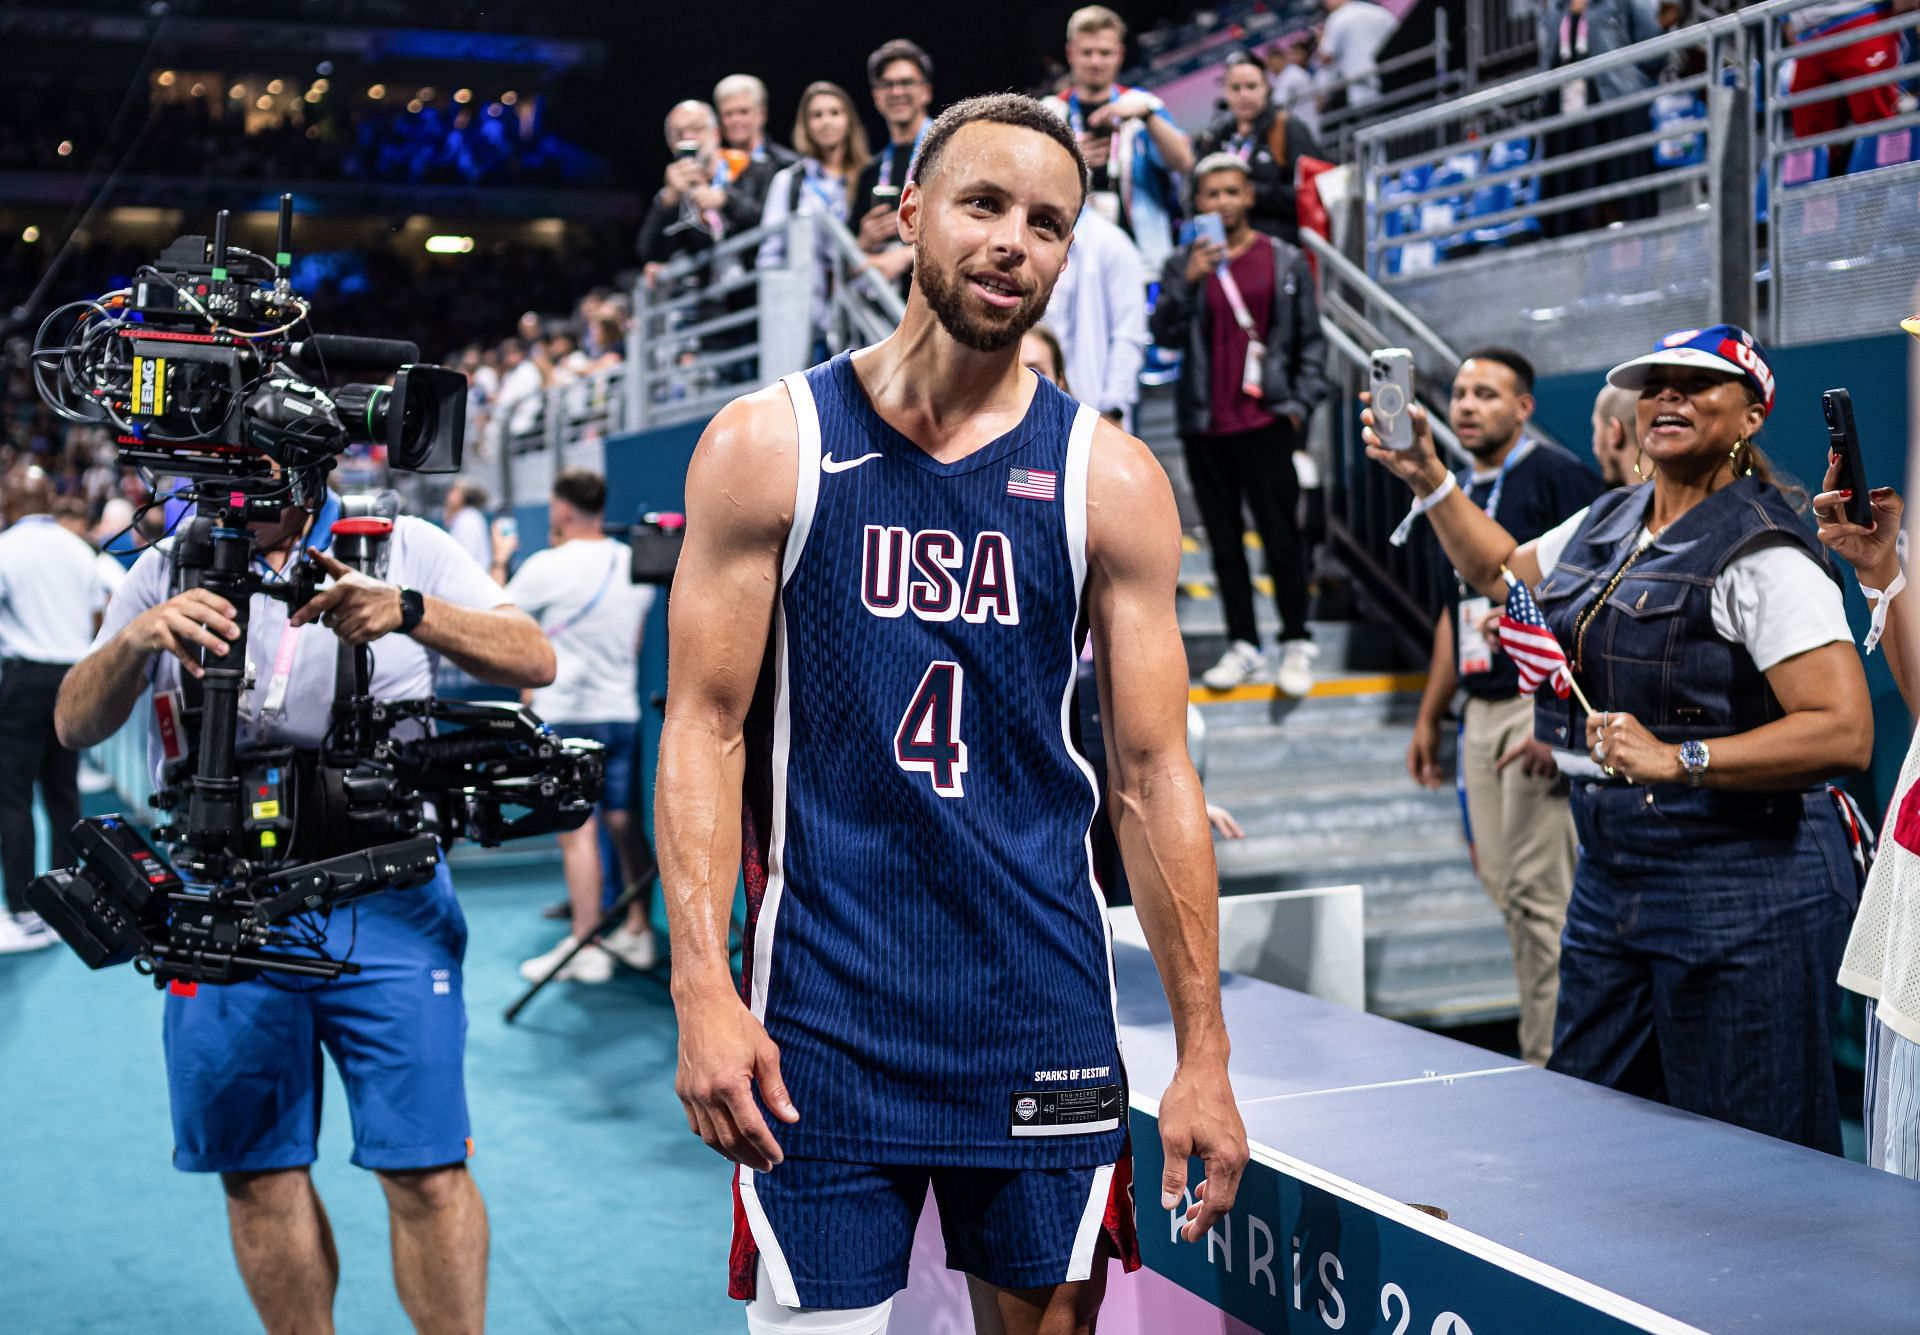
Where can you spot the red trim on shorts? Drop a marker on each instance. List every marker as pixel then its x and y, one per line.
pixel 745 1255
pixel 1119 1222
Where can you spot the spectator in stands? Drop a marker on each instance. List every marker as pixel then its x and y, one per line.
pixel 1040 353
pixel 708 193
pixel 1616 437
pixel 833 149
pixel 1716 872
pixel 1247 321
pixel 1349 49
pixel 1133 148
pixel 522 397
pixel 1264 137
pixel 1882 960
pixel 1516 799
pixel 464 512
pixel 1293 90
pixel 900 75
pixel 1870 55
pixel 1570 31
pixel 1099 311
pixel 581 591
pixel 741 101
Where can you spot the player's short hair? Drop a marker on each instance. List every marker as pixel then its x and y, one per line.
pixel 735 84
pixel 898 49
pixel 1095 18
pixel 1015 109
pixel 1522 368
pixel 583 489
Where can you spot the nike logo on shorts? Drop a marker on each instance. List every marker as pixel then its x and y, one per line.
pixel 828 464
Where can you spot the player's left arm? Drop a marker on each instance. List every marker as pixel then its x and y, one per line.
pixel 1159 813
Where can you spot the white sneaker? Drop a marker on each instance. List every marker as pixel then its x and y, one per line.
pixel 1240 663
pixel 636 950
pixel 22 932
pixel 592 965
pixel 1295 674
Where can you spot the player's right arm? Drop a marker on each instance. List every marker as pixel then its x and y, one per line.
pixel 740 499
pixel 99 693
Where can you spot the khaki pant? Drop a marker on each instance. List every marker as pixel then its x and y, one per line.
pixel 1524 844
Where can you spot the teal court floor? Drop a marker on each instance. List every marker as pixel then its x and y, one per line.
pixel 608 1216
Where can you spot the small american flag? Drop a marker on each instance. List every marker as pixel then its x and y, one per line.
pixel 1530 644
pixel 1032 483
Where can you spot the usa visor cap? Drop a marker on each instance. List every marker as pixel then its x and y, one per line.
pixel 1722 347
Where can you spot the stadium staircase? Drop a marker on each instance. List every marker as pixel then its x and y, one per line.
pixel 1320 786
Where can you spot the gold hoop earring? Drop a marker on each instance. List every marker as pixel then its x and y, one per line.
pixel 1733 457
pixel 1639 454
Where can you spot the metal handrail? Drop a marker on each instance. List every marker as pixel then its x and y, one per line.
pixel 1845 37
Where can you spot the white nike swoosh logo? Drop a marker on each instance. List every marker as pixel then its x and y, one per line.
pixel 828 465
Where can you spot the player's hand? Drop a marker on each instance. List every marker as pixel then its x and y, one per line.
pixel 1621 744
pixel 1534 755
pixel 1223 822
pixel 1423 754
pixel 184 624
pixel 1203 259
pixel 1419 466
pixel 1871 551
pixel 724 1053
pixel 1198 1117
pixel 356 607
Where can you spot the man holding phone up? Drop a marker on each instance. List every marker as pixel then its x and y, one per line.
pixel 901 76
pixel 1240 306
pixel 1517 812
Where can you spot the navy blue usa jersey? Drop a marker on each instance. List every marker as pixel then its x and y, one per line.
pixel 925 941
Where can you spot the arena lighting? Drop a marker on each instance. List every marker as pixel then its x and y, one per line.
pixel 166 78
pixel 312 96
pixel 494 109
pixel 463 96
pixel 313 132
pixel 416 106
pixel 277 87
pixel 66 148
pixel 425 94
pixel 198 90
pixel 322 85
pixel 449 245
pixel 378 91
pixel 324 67
pixel 263 102
pixel 509 97
pixel 30 234
pixel 238 91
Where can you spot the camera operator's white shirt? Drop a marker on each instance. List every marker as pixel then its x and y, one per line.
pixel 421 556
pixel 584 597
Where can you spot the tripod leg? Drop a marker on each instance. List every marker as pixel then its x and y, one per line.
pixel 608 919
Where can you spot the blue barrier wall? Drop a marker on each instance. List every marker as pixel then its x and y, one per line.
pixel 1876 371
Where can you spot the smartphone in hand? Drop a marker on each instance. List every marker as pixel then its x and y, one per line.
pixel 1208 227
pixel 1843 438
pixel 1390 378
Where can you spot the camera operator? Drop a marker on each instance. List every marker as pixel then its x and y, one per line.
pixel 243 1059
pixel 51 585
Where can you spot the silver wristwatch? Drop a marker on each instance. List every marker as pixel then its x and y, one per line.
pixel 1695 757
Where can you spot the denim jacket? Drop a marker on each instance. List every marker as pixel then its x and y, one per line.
pixel 1611 24
pixel 1652 650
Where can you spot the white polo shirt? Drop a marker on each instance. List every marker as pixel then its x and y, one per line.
pixel 51 584
pixel 422 557
pixel 583 595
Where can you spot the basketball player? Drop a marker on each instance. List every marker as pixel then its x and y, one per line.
pixel 889 561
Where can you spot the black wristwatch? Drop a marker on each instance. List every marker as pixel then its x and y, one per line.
pixel 413 606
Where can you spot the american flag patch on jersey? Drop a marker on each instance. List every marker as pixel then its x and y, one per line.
pixel 1032 483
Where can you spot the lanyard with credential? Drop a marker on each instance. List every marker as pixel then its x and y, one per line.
pixel 1514 456
pixel 555 632
pixel 1252 375
pixel 886 154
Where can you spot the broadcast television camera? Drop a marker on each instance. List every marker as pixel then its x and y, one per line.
pixel 196 369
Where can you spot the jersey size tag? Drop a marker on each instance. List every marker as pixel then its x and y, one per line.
pixel 166 716
pixel 1476 655
pixel 1066 1112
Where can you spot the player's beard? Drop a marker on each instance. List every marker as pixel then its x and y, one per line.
pixel 946 295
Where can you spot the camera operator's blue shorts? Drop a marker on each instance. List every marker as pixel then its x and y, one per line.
pixel 244 1060
pixel 622 741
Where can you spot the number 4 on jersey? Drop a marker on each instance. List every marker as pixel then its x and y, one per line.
pixel 928 740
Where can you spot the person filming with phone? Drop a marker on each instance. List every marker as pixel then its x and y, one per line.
pixel 1701 619
pixel 1862 524
pixel 1240 306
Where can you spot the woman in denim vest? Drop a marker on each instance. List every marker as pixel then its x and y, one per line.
pixel 1715 881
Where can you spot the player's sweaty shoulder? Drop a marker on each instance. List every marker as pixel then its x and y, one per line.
pixel 1131 515
pixel 743 470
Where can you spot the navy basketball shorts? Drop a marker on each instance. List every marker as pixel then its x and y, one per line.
pixel 244 1069
pixel 838 1235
